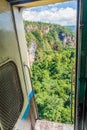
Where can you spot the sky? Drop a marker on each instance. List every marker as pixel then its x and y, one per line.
pixel 59 13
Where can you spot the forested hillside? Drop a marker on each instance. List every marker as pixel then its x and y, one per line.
pixel 51 70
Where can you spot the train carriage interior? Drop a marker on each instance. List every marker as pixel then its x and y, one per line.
pixel 18 108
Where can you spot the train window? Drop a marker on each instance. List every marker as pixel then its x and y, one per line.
pixel 51 40
pixel 11 98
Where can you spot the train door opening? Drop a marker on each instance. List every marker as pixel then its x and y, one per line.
pixel 51 40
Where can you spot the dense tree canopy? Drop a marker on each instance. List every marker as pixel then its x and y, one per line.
pixel 51 73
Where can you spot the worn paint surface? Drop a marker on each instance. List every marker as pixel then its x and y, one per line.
pixel 34 3
pixel 13 48
pixel 47 125
pixel 81 92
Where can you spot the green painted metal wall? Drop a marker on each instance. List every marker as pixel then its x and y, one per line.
pixel 81 66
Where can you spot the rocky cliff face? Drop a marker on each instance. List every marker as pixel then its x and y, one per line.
pixel 31 52
pixel 43 29
pixel 67 39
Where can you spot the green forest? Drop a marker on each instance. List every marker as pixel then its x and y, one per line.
pixel 51 71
